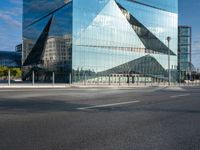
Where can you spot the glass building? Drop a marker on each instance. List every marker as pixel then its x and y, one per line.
pixel 10 59
pixel 184 52
pixel 99 41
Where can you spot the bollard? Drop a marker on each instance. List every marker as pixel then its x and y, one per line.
pixel 70 79
pixel 128 80
pixel 33 78
pixel 109 80
pixel 97 79
pixel 85 79
pixel 195 82
pixel 9 77
pixel 53 79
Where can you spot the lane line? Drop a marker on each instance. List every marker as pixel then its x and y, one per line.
pixel 108 105
pixel 182 95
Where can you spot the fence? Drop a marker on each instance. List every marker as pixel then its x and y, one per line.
pixel 10 79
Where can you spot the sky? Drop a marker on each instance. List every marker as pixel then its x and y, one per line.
pixel 189 11
pixel 11 24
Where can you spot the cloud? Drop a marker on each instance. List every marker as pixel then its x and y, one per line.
pixel 10 20
pixel 17 11
pixel 11 24
pixel 196 45
pixel 18 2
pixel 13 36
pixel 12 15
pixel 196 53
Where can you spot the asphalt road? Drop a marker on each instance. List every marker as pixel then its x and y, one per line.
pixel 100 119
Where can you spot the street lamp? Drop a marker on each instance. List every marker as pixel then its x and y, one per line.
pixel 169 72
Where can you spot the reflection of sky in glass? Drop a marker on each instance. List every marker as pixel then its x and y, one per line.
pixel 169 5
pixel 34 9
pixel 61 24
pixel 34 31
pixel 164 23
pixel 101 24
pixel 109 28
pixel 57 49
pixel 105 25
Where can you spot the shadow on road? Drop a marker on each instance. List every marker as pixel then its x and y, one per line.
pixel 120 109
pixel 35 106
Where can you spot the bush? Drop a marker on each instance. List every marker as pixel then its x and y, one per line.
pixel 14 72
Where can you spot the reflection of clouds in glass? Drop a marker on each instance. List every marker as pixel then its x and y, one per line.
pixel 33 31
pixel 109 28
pixel 61 24
pixel 36 9
pixel 169 5
pixel 62 21
pixel 17 2
pixel 60 28
pixel 158 30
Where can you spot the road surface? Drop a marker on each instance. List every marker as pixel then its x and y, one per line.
pixel 100 119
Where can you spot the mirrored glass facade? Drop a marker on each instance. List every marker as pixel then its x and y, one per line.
pixel 101 38
pixel 10 59
pixel 47 39
pixel 184 51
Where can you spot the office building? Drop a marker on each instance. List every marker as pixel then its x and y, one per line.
pixel 184 52
pixel 18 48
pixel 10 59
pixel 100 40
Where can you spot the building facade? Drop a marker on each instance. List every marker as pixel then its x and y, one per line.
pixel 184 52
pixel 18 48
pixel 10 59
pixel 100 40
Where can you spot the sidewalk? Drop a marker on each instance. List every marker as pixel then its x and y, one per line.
pixel 29 85
pixel 43 85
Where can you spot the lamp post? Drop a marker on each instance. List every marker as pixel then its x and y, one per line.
pixel 169 72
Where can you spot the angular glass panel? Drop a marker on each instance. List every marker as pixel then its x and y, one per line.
pixel 47 44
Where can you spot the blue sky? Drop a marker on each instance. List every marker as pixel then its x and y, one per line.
pixel 11 18
pixel 10 24
pixel 189 11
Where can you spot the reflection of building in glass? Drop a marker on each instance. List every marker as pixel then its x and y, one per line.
pixel 10 59
pixel 18 48
pixel 27 46
pixel 47 39
pixel 184 51
pixel 104 38
pixel 56 50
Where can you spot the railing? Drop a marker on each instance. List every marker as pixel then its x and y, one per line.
pixel 110 80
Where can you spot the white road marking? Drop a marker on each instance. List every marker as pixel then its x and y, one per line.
pixel 108 105
pixel 182 95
